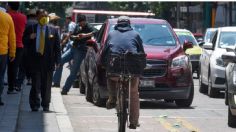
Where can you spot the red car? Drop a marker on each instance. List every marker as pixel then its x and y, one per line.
pixel 168 72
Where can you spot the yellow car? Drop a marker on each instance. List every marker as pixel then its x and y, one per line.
pixel 195 52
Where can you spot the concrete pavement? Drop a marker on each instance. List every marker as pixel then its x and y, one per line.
pixel 9 113
pixel 16 115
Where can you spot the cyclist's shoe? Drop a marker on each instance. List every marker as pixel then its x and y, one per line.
pixel 111 103
pixel 134 126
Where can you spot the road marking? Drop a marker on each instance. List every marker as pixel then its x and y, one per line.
pixel 62 117
pixel 166 124
pixel 186 124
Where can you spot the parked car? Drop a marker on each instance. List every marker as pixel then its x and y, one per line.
pixel 230 91
pixel 167 75
pixel 212 68
pixel 195 52
pixel 199 37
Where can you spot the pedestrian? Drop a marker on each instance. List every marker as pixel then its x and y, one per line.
pixel 83 32
pixel 67 56
pixel 19 20
pixel 7 44
pixel 53 20
pixel 43 50
pixel 23 72
pixel 123 39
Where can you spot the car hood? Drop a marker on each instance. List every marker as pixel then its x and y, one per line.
pixel 160 52
pixel 196 50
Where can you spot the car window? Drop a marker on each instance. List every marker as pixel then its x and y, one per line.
pixel 154 34
pixel 227 39
pixel 186 36
pixel 209 35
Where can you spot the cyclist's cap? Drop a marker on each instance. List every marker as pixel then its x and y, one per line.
pixel 123 19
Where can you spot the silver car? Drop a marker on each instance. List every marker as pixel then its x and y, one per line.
pixel 212 68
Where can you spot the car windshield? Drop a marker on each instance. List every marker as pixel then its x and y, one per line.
pixel 227 39
pixel 209 36
pixel 154 34
pixel 186 36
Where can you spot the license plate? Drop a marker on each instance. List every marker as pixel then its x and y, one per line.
pixel 147 83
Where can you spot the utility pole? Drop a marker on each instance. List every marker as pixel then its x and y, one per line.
pixel 230 14
pixel 177 14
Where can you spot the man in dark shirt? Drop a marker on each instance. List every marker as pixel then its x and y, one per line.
pixel 83 32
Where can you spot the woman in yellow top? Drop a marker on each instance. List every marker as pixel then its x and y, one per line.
pixel 7 43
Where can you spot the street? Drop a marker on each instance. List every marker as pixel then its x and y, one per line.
pixel 205 115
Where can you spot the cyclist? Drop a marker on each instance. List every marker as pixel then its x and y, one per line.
pixel 123 39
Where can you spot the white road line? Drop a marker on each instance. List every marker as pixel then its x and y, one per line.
pixel 63 119
pixel 171 117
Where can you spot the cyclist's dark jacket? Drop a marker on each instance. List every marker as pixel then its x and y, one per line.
pixel 121 40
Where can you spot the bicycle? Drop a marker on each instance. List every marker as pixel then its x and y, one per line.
pixel 125 66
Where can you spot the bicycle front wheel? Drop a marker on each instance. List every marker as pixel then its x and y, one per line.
pixel 122 112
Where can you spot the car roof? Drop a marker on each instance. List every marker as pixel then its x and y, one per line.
pixel 211 29
pixel 228 29
pixel 180 30
pixel 140 20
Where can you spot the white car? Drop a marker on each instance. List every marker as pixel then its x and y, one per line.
pixel 212 67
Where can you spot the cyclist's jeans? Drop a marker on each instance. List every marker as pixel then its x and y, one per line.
pixel 134 96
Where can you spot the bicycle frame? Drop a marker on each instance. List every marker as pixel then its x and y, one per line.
pixel 122 98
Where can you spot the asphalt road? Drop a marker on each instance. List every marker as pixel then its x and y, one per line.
pixel 205 115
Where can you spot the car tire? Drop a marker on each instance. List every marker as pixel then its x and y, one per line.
pixel 231 119
pixel 97 100
pixel 81 86
pixel 226 95
pixel 202 87
pixel 212 92
pixel 198 74
pixel 88 92
pixel 186 102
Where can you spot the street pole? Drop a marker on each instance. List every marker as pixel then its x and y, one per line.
pixel 177 14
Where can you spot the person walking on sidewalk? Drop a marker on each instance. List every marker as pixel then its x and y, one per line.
pixel 7 45
pixel 23 72
pixel 83 32
pixel 19 23
pixel 43 50
pixel 68 55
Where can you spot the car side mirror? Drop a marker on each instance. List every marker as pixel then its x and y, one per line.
pixel 201 43
pixel 229 57
pixel 208 46
pixel 187 45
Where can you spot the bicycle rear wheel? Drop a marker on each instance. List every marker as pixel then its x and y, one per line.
pixel 122 112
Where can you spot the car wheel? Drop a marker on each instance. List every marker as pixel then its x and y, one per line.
pixel 97 100
pixel 231 119
pixel 88 92
pixel 202 87
pixel 81 86
pixel 186 102
pixel 212 92
pixel 198 74
pixel 226 97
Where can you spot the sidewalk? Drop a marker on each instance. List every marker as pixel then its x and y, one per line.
pixel 16 115
pixel 9 113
